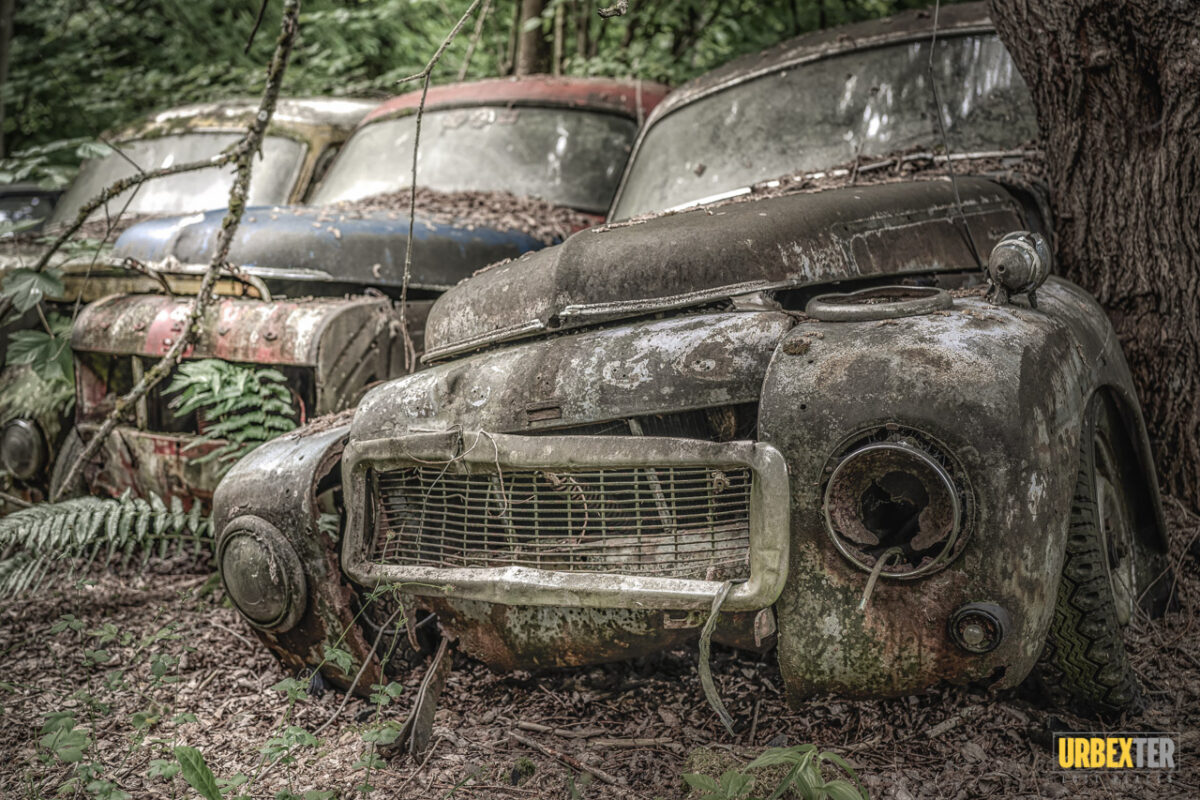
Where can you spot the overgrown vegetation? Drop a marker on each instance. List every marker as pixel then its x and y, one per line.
pixel 62 538
pixel 798 772
pixel 243 406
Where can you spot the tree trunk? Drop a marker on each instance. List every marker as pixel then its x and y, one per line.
pixel 7 10
pixel 532 52
pixel 1117 90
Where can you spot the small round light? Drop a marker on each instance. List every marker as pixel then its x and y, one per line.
pixel 262 574
pixel 23 449
pixel 979 627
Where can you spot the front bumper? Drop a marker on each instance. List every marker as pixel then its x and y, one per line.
pixel 481 453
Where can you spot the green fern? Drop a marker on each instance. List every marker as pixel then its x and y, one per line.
pixel 57 536
pixel 242 406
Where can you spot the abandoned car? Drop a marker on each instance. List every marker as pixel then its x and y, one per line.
pixel 25 207
pixel 303 137
pixel 843 410
pixel 324 277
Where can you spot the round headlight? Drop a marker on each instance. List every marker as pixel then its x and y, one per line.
pixel 262 574
pixel 23 449
pixel 897 497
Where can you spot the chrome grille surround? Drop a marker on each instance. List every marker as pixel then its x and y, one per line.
pixel 525 520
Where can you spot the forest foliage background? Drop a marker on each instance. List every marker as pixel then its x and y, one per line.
pixel 77 68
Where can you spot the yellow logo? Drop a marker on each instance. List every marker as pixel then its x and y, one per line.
pixel 1115 751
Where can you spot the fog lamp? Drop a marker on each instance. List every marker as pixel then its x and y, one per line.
pixel 895 498
pixel 979 627
pixel 23 449
pixel 262 574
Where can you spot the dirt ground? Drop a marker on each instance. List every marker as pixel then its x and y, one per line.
pixel 642 724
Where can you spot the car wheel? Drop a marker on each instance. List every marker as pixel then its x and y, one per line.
pixel 1085 666
pixel 71 448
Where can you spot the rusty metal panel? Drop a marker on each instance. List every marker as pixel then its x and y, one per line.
pixel 281 332
pixel 629 98
pixel 278 483
pixel 778 243
pixel 1003 390
pixel 151 463
pixel 685 362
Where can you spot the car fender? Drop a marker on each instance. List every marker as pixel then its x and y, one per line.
pixel 277 486
pixel 1004 389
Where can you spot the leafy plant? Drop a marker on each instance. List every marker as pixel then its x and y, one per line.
pixel 196 772
pixel 242 405
pixel 804 777
pixel 52 535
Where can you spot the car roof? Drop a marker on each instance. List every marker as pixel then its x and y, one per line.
pixel 905 26
pixel 291 113
pixel 630 98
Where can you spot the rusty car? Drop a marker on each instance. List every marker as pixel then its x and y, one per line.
pixel 813 389
pixel 321 282
pixel 304 135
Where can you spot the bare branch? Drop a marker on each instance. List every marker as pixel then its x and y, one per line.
pixel 462 71
pixel 243 156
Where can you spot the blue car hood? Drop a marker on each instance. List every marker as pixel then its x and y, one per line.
pixel 300 243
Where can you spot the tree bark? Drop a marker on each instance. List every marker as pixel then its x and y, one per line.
pixel 532 51
pixel 1116 84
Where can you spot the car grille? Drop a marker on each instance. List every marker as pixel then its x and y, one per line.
pixel 663 521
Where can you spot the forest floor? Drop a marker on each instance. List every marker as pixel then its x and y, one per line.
pixel 90 650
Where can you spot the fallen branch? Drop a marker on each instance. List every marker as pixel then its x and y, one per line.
pixel 243 157
pixel 573 763
pixel 566 733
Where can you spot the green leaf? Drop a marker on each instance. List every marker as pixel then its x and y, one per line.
pixel 27 288
pixel 701 782
pixel 339 658
pixel 776 756
pixel 49 356
pixel 387 733
pixel 197 773
pixel 842 790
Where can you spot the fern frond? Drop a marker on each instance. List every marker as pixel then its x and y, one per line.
pixel 51 537
pixel 243 406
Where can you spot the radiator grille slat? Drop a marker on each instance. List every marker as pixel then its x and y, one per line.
pixel 661 521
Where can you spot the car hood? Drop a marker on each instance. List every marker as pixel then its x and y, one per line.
pixel 298 243
pixel 709 254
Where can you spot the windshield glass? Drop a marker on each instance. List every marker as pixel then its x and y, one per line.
pixel 565 157
pixel 814 116
pixel 271 181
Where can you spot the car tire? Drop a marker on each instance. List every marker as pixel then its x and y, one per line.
pixel 72 447
pixel 1085 666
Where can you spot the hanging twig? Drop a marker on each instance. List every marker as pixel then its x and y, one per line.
pixel 462 71
pixel 410 353
pixel 262 11
pixel 242 155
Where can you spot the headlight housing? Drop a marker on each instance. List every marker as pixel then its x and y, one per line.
pixel 895 489
pixel 262 574
pixel 23 449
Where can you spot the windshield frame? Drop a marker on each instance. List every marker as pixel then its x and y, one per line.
pixel 299 170
pixel 819 52
pixel 485 102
